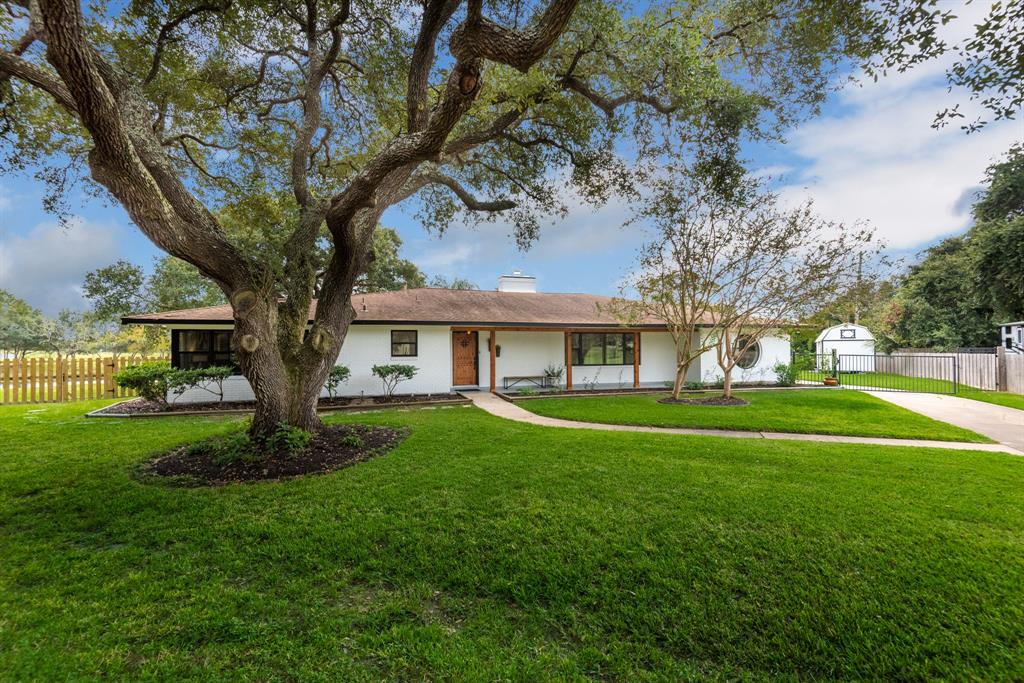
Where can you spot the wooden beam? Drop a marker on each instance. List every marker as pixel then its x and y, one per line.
pixel 636 360
pixel 568 360
pixel 494 345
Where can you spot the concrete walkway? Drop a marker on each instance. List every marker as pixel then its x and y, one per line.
pixel 999 423
pixel 502 408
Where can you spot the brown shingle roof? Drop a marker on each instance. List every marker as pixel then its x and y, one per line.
pixel 441 306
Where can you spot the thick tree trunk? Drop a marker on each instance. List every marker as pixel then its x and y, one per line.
pixel 287 389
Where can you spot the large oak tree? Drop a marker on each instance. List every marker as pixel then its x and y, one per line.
pixel 261 140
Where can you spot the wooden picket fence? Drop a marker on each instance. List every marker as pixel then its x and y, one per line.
pixel 55 380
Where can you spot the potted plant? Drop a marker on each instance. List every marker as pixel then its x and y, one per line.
pixel 828 366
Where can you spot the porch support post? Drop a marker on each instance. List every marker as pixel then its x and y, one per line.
pixel 493 349
pixel 568 360
pixel 636 360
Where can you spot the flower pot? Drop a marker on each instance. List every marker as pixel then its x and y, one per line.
pixel 831 382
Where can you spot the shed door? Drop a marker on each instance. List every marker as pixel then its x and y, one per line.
pixel 464 359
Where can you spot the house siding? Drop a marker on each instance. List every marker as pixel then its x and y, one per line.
pixel 522 353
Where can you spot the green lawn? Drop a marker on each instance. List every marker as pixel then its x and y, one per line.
pixel 804 411
pixel 943 386
pixel 484 549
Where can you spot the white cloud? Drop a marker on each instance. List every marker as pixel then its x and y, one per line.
pixel 881 161
pixel 46 266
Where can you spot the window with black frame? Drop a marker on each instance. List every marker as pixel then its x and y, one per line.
pixel 201 349
pixel 601 348
pixel 404 343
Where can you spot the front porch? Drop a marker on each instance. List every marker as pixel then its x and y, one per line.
pixel 491 358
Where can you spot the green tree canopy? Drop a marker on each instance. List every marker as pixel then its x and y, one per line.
pixel 22 327
pixel 123 287
pixel 388 271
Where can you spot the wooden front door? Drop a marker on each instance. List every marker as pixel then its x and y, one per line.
pixel 464 359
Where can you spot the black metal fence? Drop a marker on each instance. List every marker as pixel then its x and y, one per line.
pixel 924 373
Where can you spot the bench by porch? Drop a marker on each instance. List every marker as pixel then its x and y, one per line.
pixel 540 381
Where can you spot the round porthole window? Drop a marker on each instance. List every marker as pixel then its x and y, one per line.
pixel 749 356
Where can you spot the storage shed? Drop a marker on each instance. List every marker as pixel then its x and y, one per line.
pixel 855 342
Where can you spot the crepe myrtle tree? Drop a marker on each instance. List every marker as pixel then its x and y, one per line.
pixel 260 141
pixel 728 265
pixel 769 266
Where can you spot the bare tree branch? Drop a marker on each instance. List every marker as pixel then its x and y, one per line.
pixel 471 202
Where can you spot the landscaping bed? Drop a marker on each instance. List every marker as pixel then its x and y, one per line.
pixel 330 448
pixel 143 407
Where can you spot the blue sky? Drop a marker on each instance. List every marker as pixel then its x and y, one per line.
pixel 871 156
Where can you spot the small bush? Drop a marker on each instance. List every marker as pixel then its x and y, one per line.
pixel 694 386
pixel 352 441
pixel 338 375
pixel 288 440
pixel 148 380
pixel 210 379
pixel 785 374
pixel 390 375
pixel 528 391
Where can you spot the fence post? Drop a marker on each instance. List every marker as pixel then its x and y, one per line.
pixel 956 373
pixel 1001 383
pixel 108 378
pixel 59 377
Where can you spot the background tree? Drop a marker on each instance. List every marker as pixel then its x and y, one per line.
pixel 312 118
pixel 123 287
pixel 70 333
pixel 442 282
pixel 387 271
pixel 966 285
pixel 21 326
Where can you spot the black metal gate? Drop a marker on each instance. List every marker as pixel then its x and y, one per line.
pixel 910 372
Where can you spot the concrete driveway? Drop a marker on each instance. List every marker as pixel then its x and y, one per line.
pixel 1005 425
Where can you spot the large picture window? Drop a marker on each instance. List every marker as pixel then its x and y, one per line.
pixel 404 343
pixel 201 348
pixel 600 348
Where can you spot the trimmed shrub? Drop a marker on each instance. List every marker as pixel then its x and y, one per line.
pixel 338 375
pixel 151 381
pixel 209 379
pixel 392 374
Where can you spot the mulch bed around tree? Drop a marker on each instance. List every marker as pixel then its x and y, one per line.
pixel 330 449
pixel 707 401
pixel 141 406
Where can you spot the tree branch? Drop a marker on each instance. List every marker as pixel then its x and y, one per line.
pixel 471 202
pixel 609 104
pixel 11 65
pixel 481 38
pixel 167 29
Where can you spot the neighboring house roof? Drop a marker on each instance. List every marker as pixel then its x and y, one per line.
pixel 442 306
